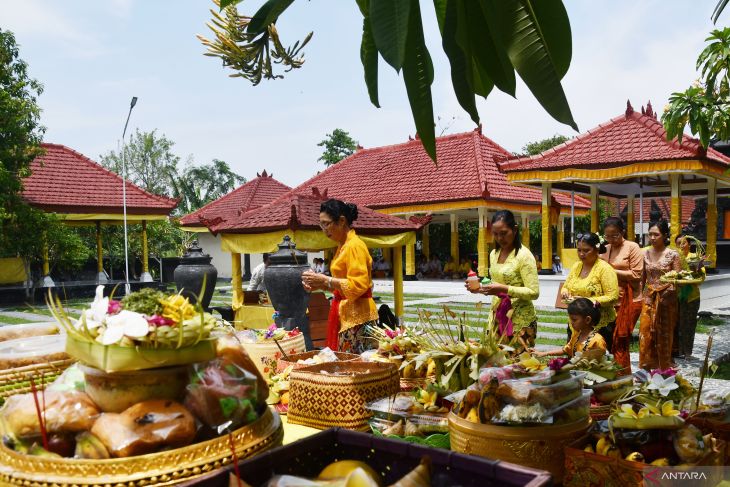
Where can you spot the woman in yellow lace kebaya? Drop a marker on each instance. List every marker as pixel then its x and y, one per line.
pixel 513 271
pixel 351 282
pixel 594 279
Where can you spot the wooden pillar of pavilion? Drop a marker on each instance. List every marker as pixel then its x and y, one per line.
pixel 454 237
pixel 236 282
pixel 525 235
pixel 146 276
pixel 675 224
pixel 483 239
pixel 711 241
pixel 630 226
pixel 398 280
pixel 547 253
pixel 594 209
pixel 100 274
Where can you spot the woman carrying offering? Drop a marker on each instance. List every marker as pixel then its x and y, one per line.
pixel 594 279
pixel 660 309
pixel 513 271
pixel 627 260
pixel 584 315
pixel 689 303
pixel 351 281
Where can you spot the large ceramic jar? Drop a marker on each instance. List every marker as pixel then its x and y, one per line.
pixel 194 268
pixel 283 279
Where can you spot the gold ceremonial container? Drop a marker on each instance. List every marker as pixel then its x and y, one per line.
pixel 162 468
pixel 541 447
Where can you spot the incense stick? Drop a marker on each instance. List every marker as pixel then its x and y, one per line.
pixel 703 372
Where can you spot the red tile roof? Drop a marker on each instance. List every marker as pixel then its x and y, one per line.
pixel 403 174
pixel 66 181
pixel 260 191
pixel 628 138
pixel 665 206
pixel 299 211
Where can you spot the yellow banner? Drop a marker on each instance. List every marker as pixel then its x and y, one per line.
pixel 12 270
pixel 310 240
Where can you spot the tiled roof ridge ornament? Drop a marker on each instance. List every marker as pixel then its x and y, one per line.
pixel 650 110
pixel 293 221
pixel 629 109
pixel 359 148
pixel 264 174
pixel 319 195
pixel 409 137
pixel 421 221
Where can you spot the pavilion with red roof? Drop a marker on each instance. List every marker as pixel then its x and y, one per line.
pixel 465 185
pixel 82 192
pixel 628 156
pixel 260 191
pixel 297 215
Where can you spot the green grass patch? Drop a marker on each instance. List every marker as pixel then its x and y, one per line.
pixel 12 320
pixel 704 323
pixel 550 341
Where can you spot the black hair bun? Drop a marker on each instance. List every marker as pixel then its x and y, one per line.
pixel 352 210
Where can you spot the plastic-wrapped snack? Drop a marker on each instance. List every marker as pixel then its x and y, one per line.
pixel 146 427
pixel 222 395
pixel 228 347
pixel 71 379
pixel 65 412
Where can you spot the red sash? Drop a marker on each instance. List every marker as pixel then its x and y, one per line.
pixel 333 321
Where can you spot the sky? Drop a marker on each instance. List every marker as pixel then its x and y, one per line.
pixel 93 56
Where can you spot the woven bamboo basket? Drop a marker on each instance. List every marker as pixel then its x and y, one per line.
pixel 586 468
pixel 407 385
pixel 282 364
pixel 334 394
pixel 17 380
pixel 540 447
pixel 162 468
pixel 599 413
pixel 266 354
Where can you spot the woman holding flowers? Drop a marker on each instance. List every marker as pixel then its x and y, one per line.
pixel 627 260
pixel 660 309
pixel 351 281
pixel 594 279
pixel 689 303
pixel 514 283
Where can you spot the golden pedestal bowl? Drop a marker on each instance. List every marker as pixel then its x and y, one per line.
pixel 541 447
pixel 162 468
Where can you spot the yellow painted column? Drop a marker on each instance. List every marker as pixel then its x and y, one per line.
pixel 455 237
pixel 145 249
pixel 410 259
pixel 711 242
pixel 398 280
pixel 560 237
pixel 236 282
pixel 46 264
pixel 595 224
pixel 483 243
pixel 426 241
pixel 99 250
pixel 525 230
pixel 547 253
pixel 630 226
pixel 675 224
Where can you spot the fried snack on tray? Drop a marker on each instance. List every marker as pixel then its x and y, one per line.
pixel 65 412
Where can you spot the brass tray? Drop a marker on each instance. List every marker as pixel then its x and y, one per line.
pixel 162 468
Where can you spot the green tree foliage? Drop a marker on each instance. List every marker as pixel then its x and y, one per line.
pixel 540 146
pixel 337 146
pixel 704 106
pixel 149 160
pixel 199 185
pixel 486 42
pixel 440 238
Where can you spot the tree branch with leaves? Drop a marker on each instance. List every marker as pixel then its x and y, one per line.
pixel 486 42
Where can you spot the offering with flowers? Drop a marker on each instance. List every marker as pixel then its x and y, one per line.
pixel 399 346
pixel 147 329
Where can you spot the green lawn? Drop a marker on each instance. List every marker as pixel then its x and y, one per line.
pixel 705 323
pixel 11 320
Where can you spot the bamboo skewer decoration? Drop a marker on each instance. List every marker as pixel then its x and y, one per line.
pixel 703 371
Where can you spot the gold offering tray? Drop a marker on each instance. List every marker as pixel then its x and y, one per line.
pixel 162 468
pixel 680 282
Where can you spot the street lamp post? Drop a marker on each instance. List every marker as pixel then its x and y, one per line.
pixel 127 288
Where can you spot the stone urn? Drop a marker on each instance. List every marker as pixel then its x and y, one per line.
pixel 194 268
pixel 283 279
